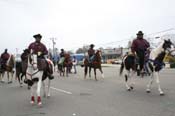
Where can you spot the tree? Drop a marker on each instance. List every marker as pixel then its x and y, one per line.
pixel 84 49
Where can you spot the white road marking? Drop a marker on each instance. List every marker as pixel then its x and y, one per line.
pixel 60 90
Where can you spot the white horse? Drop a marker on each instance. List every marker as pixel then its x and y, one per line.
pixel 154 65
pixel 36 74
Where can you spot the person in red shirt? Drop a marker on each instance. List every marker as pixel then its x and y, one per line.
pixel 37 47
pixel 138 48
pixel 40 50
pixel 4 57
pixel 91 52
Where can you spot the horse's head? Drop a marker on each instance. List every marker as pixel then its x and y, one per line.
pixel 98 55
pixel 32 61
pixel 168 46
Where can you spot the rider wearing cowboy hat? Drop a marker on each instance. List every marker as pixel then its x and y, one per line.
pixel 38 47
pixel 40 50
pixel 91 52
pixel 4 57
pixel 138 48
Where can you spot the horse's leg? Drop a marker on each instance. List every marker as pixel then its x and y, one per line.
pixel 158 83
pixel 95 74
pixel 148 90
pixel 2 75
pixel 126 80
pixel 48 89
pixel 18 76
pixel 39 83
pixel 11 73
pixel 131 81
pixel 32 94
pixel 85 71
pixel 8 80
pixel 67 71
pixel 89 71
pixel 102 75
pixel 44 89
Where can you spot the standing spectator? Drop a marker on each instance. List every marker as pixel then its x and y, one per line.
pixel 74 61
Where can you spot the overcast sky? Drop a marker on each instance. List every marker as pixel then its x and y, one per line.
pixel 81 22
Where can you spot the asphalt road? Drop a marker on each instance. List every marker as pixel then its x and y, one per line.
pixel 76 96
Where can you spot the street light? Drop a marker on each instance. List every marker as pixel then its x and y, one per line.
pixel 53 43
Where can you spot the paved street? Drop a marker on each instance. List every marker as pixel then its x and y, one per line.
pixel 76 96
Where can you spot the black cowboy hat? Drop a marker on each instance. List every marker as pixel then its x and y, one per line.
pixel 38 36
pixel 62 49
pixel 92 45
pixel 140 33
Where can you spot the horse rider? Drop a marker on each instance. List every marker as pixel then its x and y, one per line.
pixel 91 53
pixel 62 56
pixel 138 48
pixel 4 57
pixel 40 50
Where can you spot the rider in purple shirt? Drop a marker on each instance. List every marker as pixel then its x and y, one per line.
pixel 40 49
pixel 139 47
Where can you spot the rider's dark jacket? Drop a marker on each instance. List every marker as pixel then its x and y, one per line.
pixel 38 47
pixel 4 57
pixel 139 44
pixel 91 52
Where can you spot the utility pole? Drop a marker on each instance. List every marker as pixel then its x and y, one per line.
pixel 53 45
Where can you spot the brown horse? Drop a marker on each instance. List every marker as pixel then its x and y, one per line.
pixel 21 67
pixel 9 68
pixel 95 64
pixel 65 65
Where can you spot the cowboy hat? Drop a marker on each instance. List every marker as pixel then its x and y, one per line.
pixel 140 33
pixel 38 36
pixel 92 45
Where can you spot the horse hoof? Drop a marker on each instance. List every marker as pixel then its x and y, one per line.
pixel 148 91
pixel 128 89
pixel 32 100
pixel 131 87
pixel 162 94
pixel 48 96
pixel 40 104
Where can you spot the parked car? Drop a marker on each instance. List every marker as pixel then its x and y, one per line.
pixel 117 61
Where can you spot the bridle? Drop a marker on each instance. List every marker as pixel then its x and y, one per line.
pixel 32 64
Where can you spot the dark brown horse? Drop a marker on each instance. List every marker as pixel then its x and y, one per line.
pixel 65 65
pixel 95 64
pixel 21 66
pixel 9 68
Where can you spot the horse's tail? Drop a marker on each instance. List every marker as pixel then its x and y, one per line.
pixel 121 68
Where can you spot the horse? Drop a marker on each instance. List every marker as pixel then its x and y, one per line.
pixel 20 67
pixel 65 65
pixel 36 73
pixel 9 68
pixel 154 65
pixel 95 64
